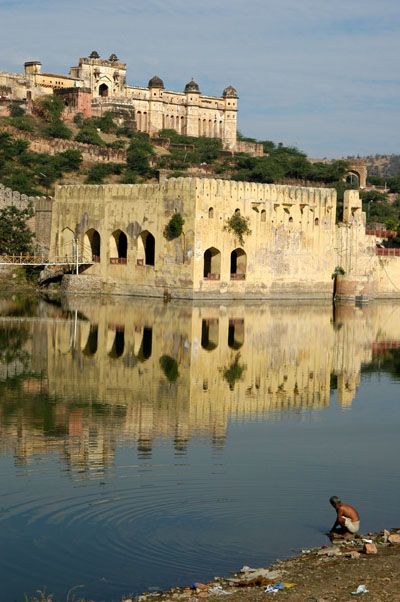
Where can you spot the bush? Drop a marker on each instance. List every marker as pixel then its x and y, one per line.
pixel 99 171
pixel 57 129
pixel 174 227
pixel 49 107
pixel 105 123
pixel 89 135
pixel 234 372
pixel 79 119
pixel 129 177
pixel 170 368
pixel 69 160
pixel 117 145
pixel 15 235
pixel 25 123
pixel 16 110
pixel 138 159
pixel 238 226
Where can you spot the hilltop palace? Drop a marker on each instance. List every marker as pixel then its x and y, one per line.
pixel 294 247
pixel 98 84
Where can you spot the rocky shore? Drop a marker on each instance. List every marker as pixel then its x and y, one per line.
pixel 365 567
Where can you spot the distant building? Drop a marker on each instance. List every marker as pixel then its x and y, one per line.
pixel 152 108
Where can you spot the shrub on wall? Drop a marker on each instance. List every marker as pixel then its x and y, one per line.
pixel 238 226
pixel 234 372
pixel 170 368
pixel 174 227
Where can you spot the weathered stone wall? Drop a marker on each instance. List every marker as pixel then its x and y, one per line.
pixel 251 148
pixel 40 223
pixel 366 274
pixel 289 253
pixel 90 152
pixel 136 210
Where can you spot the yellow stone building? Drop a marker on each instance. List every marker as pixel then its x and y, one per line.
pixel 293 249
pixel 153 107
pixel 188 112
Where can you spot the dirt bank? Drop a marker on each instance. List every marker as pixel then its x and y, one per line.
pixel 323 574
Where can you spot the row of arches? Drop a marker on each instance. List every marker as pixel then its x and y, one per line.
pixel 210 334
pixel 211 128
pixel 174 122
pixel 117 246
pixel 212 264
pixel 142 121
pixel 116 346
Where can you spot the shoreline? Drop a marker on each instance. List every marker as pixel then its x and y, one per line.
pixel 327 573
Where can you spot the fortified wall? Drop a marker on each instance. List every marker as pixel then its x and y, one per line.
pixel 293 248
pixel 40 223
pixel 289 252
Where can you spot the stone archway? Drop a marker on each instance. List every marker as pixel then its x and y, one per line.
pixel 103 90
pixel 357 169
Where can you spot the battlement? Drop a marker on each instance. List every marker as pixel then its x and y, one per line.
pixel 249 192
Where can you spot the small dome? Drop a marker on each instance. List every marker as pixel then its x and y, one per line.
pixel 193 87
pixel 230 92
pixel 156 82
pixel 113 58
pixel 94 55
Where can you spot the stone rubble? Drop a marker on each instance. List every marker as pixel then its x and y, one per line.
pixel 248 577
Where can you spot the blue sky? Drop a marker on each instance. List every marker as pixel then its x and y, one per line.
pixel 320 74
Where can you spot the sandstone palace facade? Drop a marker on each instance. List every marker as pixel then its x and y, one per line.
pixel 96 85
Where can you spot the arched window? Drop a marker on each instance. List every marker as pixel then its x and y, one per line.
pixel 146 345
pixel 236 334
pixel 118 247
pixel 209 334
pixel 91 244
pixel 237 211
pixel 316 221
pixel 146 249
pixel 211 213
pixel 212 264
pixel 263 215
pixel 290 220
pixel 90 346
pixel 103 90
pixel 238 264
pixel 116 342
pixel 67 243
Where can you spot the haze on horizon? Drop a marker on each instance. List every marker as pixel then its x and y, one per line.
pixel 319 75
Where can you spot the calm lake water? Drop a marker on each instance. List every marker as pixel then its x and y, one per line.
pixel 146 445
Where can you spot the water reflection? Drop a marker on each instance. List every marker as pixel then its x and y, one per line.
pixel 76 379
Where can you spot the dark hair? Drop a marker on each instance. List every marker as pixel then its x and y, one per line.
pixel 334 500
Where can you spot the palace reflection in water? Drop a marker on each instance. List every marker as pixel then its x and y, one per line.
pixel 75 380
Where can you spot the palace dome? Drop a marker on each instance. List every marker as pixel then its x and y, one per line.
pixel 192 87
pixel 230 92
pixel 156 82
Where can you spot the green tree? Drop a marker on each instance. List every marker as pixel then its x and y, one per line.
pixel 89 135
pixel 49 107
pixel 16 110
pixel 239 226
pixel 174 227
pixel 69 160
pixel 15 235
pixel 57 129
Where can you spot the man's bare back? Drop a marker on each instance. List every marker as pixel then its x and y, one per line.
pixel 347 518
